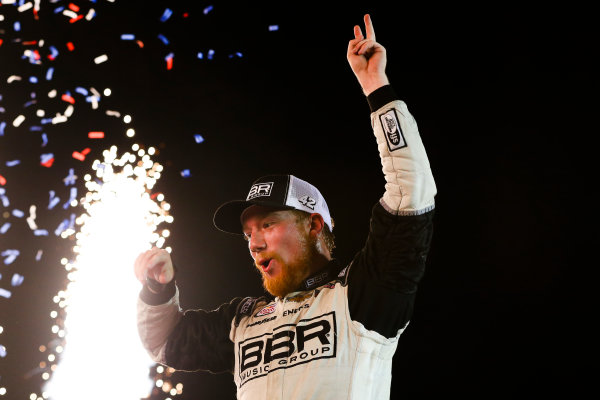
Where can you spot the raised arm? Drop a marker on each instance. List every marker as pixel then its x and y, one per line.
pixel 385 274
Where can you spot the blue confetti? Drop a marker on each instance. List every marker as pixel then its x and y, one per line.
pixel 44 140
pixel 71 178
pixel 208 9
pixel 53 200
pixel 61 227
pixel 198 138
pixel 58 9
pixel 6 294
pixel 49 73
pixel 45 121
pixel 186 173
pixel 273 28
pixel 170 55
pixel 12 163
pixel 11 255
pixel 163 38
pixel 2 126
pixel 200 55
pixel 46 157
pixel 166 15
pixel 17 280
pixel 33 79
pixel 17 26
pixel 40 232
pixel 53 52
pixel 71 198
pixel 81 90
pixel 211 53
pixel 127 36
pixel 5 228
pixel 5 201
pixel 35 128
pixel 18 213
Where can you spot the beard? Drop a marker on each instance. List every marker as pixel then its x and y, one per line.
pixel 292 274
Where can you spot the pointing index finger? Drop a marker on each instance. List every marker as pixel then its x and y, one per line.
pixel 369 27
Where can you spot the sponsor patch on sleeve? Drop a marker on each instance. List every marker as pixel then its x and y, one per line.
pixel 392 130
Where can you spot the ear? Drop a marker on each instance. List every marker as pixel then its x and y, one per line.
pixel 316 224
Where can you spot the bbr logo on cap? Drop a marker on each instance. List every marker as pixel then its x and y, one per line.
pixel 260 190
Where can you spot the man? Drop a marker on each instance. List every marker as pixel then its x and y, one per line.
pixel 331 330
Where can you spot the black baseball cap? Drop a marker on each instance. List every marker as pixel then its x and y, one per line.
pixel 285 192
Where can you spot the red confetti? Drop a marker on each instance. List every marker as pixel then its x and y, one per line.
pixel 70 46
pixel 96 135
pixel 29 43
pixel 81 156
pixel 185 15
pixel 169 62
pixel 140 43
pixel 72 20
pixel 74 7
pixel 68 99
pixel 154 195
pixel 2 180
pixel 48 163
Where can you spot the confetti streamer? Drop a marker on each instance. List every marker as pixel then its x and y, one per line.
pixel 101 59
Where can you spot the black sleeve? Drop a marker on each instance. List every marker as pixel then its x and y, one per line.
pixel 200 340
pixel 383 276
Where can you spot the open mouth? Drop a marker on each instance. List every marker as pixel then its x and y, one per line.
pixel 265 264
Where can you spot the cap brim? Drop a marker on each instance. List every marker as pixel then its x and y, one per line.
pixel 227 216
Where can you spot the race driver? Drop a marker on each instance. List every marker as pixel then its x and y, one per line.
pixel 329 331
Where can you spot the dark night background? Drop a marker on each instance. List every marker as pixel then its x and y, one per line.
pixel 496 92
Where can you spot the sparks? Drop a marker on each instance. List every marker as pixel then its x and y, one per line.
pixel 98 306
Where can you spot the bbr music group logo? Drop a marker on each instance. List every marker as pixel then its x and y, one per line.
pixel 287 346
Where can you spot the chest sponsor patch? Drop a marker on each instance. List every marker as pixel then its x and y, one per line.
pixel 287 346
pixel 270 309
pixel 392 131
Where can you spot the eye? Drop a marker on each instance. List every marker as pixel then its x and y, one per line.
pixel 247 237
pixel 267 224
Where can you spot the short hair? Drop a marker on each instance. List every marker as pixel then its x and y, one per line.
pixel 328 235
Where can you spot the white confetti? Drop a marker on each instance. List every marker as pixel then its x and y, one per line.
pixel 18 121
pixel 25 7
pixel 101 59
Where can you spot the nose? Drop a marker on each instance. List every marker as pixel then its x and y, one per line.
pixel 257 243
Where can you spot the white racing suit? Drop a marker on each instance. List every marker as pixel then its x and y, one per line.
pixel 335 337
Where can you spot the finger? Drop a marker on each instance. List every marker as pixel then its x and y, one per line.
pixel 364 46
pixel 358 33
pixel 352 46
pixel 142 265
pixel 138 266
pixel 369 27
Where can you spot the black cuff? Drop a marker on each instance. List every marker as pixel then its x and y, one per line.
pixel 380 97
pixel 165 292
